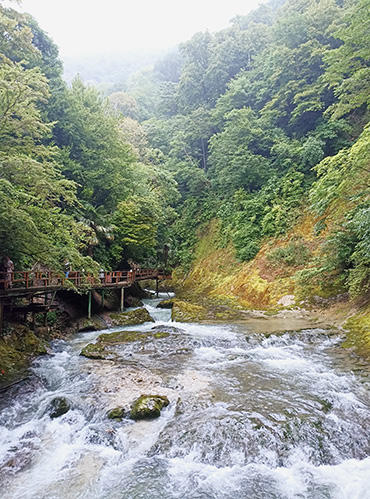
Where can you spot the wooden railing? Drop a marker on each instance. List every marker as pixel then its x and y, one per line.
pixel 50 279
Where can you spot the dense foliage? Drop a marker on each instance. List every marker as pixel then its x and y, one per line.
pixel 253 125
pixel 73 184
pixel 261 125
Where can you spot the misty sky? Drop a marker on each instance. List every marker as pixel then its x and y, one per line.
pixel 89 26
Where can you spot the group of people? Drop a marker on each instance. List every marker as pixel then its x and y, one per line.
pixel 8 267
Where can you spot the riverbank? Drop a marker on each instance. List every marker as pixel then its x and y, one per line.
pixel 20 344
pixel 271 286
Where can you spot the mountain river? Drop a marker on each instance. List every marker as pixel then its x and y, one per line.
pixel 251 415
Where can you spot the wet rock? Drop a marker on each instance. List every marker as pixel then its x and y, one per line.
pixel 167 329
pixel 17 349
pixel 165 304
pixel 58 407
pixel 133 301
pixel 43 331
pixel 138 316
pixel 95 351
pixel 148 407
pixel 187 312
pixel 99 350
pixel 119 337
pixel 93 324
pixel 137 291
pixel 118 413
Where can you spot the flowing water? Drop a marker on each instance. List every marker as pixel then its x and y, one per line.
pixel 250 416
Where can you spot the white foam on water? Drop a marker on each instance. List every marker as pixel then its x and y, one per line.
pixel 348 480
pixel 82 454
pixel 209 354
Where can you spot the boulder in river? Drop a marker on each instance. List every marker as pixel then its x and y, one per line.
pixel 118 413
pixel 133 301
pixel 138 316
pixel 95 351
pixel 148 407
pixel 58 407
pixel 120 337
pixel 187 312
pixel 167 329
pixel 165 304
pixel 93 324
pixel 100 349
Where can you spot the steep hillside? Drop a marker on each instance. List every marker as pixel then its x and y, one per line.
pixel 269 281
pixel 277 279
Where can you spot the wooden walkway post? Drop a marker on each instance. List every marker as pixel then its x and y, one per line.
pixel 89 306
pixel 122 299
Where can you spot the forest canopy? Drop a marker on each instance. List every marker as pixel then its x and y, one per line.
pixel 250 125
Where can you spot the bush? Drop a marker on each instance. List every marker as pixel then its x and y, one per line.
pixel 295 254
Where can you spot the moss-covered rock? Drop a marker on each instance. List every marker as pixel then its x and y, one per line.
pixel 148 407
pixel 95 351
pixel 186 312
pixel 93 324
pixel 13 365
pixel 166 303
pixel 138 316
pixel 58 407
pixel 121 337
pixel 167 330
pixel 17 349
pixel 99 349
pixel 118 413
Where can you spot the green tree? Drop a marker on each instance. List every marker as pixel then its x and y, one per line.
pixel 124 103
pixel 99 160
pixel 34 225
pixel 348 71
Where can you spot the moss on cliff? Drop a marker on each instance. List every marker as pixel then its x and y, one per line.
pixel 261 283
pixel 358 333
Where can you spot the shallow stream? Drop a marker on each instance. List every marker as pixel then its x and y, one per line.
pixel 251 415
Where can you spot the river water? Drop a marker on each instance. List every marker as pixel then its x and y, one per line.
pixel 251 416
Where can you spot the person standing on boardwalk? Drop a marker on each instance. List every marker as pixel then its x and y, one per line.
pixel 9 267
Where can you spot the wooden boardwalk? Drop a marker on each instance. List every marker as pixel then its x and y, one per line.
pixel 40 282
pixel 31 284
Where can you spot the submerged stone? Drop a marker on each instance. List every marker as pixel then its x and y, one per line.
pixel 148 407
pixel 58 407
pixel 138 316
